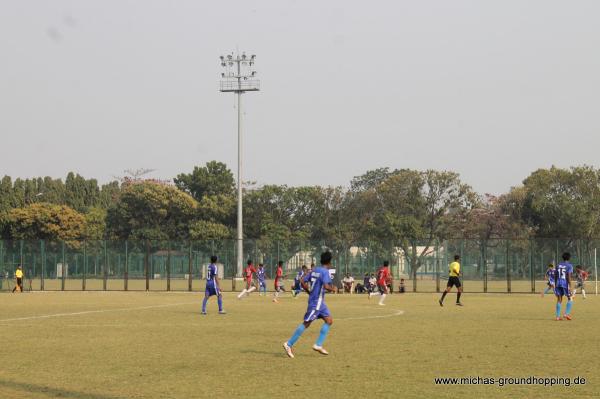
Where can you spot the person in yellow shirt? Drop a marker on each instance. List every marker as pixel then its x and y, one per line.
pixel 19 276
pixel 453 280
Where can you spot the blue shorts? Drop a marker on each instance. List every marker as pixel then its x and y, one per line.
pixel 313 314
pixel 211 290
pixel 562 291
pixel 262 284
pixel 297 286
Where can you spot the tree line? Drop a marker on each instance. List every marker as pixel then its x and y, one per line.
pixel 410 208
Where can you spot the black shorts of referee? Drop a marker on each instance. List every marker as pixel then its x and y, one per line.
pixel 454 281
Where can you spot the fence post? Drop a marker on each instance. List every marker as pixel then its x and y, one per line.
pixel 446 264
pixel 169 265
pixel 21 254
pixel 508 282
pixel 531 269
pixel 1 257
pixel 146 268
pixel 126 271
pixel 190 269
pixel 413 266
pixel 63 271
pixel 234 268
pixel 462 244
pixel 485 269
pixel 43 252
pixel 105 267
pixel 437 266
pixel 272 261
pixel 84 276
pixel 255 256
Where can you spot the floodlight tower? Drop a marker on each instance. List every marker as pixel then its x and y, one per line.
pixel 239 77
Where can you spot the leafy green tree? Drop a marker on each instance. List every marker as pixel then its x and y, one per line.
pixel 81 193
pixel 491 221
pixel 51 190
pixel 213 187
pixel 371 179
pixel 563 203
pixel 267 213
pixel 6 194
pixel 206 230
pixel 413 209
pixel 148 210
pixel 95 218
pixel 109 194
pixel 212 179
pixel 284 213
pixel 46 221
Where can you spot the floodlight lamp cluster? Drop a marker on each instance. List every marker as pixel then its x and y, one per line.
pixel 238 75
pixel 238 66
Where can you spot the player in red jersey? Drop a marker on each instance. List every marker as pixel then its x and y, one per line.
pixel 383 276
pixel 581 277
pixel 278 281
pixel 250 286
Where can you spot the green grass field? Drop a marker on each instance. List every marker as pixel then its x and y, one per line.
pixel 105 345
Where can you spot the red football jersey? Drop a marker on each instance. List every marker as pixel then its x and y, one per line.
pixel 248 271
pixel 279 273
pixel 383 274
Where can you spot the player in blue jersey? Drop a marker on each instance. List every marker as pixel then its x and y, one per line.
pixel 562 279
pixel 316 284
pixel 261 275
pixel 298 281
pixel 212 285
pixel 549 279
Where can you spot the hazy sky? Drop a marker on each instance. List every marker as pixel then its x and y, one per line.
pixel 490 89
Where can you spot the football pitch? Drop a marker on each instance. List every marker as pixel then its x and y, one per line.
pixel 105 345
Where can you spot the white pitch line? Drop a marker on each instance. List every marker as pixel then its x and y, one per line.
pixel 48 316
pixel 397 313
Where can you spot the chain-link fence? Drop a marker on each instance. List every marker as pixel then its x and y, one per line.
pixel 497 265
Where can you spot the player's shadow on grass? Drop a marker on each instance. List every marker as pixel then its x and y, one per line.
pixel 52 392
pixel 255 352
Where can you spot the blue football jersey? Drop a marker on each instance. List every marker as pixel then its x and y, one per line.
pixel 260 274
pixel 550 275
pixel 211 273
pixel 318 278
pixel 562 270
pixel 299 275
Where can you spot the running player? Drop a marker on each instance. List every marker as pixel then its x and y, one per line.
pixel 298 281
pixel 581 276
pixel 250 286
pixel 212 286
pixel 563 278
pixel 383 275
pixel 261 276
pixel 453 280
pixel 316 284
pixel 550 279
pixel 278 281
